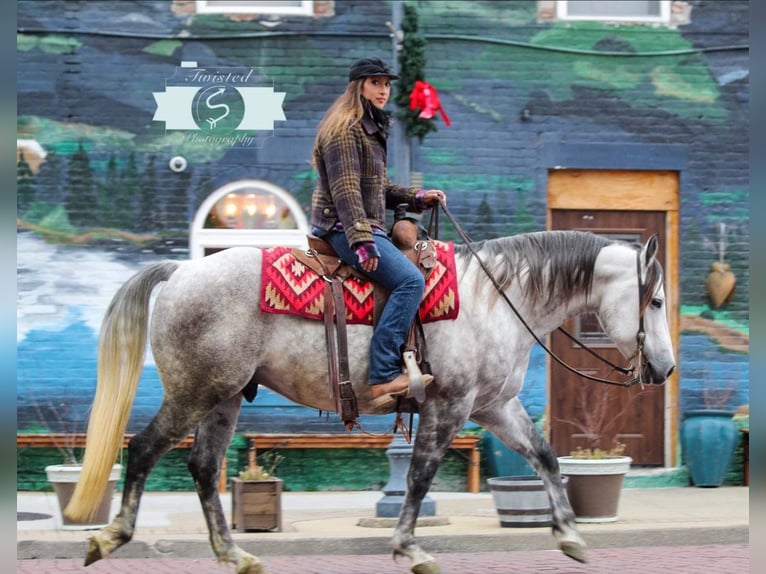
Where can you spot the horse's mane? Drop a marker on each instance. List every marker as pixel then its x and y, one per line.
pixel 549 265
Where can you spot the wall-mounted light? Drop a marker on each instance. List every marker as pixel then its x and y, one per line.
pixel 177 163
pixel 525 115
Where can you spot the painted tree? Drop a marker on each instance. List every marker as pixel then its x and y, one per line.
pixel 50 179
pixel 107 190
pixel 124 201
pixel 485 222
pixel 81 201
pixel 25 185
pixel 147 198
pixel 524 221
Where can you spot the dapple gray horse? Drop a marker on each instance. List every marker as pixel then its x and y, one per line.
pixel 210 340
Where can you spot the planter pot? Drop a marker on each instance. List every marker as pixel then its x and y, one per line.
pixel 521 501
pixel 64 478
pixel 503 461
pixel 594 486
pixel 708 441
pixel 256 504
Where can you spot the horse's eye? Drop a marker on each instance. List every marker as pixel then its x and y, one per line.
pixel 657 303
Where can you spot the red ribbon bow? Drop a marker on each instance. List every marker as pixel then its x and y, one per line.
pixel 424 97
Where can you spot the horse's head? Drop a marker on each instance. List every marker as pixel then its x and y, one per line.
pixel 632 307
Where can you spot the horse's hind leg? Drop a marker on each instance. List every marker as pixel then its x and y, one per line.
pixel 512 425
pixel 144 451
pixel 213 437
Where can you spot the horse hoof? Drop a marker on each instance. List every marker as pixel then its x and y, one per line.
pixel 250 567
pixel 94 552
pixel 574 550
pixel 429 567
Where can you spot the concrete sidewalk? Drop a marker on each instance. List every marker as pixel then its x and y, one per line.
pixel 172 525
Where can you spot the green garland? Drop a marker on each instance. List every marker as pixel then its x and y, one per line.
pixel 412 62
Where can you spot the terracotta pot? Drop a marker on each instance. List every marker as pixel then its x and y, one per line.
pixel 594 486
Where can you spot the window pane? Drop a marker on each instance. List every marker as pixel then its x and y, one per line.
pixel 254 7
pixel 250 208
pixel 615 8
pixel 253 4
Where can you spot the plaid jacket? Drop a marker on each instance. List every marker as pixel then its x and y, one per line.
pixel 352 185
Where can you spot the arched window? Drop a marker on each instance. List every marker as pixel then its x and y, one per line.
pixel 247 212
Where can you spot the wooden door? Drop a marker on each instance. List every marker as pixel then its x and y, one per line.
pixel 632 416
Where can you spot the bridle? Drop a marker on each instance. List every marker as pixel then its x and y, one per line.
pixel 635 371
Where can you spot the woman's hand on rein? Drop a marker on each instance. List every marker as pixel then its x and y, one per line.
pixel 433 196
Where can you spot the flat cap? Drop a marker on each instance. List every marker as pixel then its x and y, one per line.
pixel 367 67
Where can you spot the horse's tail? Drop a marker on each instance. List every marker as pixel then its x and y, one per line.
pixel 121 351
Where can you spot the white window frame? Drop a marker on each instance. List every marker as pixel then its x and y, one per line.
pixel 202 238
pixel 212 7
pixel 562 13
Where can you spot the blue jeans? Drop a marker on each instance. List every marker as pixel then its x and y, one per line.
pixel 406 284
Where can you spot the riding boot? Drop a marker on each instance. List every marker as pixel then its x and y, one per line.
pixel 385 394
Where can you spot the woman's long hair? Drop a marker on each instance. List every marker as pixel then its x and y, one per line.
pixel 344 112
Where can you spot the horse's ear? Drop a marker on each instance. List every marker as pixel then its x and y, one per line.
pixel 650 249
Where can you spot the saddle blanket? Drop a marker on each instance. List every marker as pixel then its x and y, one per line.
pixel 289 287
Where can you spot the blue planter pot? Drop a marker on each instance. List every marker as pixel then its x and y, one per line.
pixel 708 441
pixel 502 461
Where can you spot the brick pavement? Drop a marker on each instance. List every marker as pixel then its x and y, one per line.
pixel 721 559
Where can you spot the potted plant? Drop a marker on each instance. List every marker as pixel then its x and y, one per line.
pixel 256 495
pixel 64 476
pixel 596 472
pixel 709 438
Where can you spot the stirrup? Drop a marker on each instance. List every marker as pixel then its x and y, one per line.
pixel 417 385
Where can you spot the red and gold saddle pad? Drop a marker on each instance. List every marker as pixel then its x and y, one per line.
pixel 289 287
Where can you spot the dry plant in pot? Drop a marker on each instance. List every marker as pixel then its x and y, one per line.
pixel 256 494
pixel 596 471
pixel 64 476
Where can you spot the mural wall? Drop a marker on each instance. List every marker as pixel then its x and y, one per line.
pixel 97 198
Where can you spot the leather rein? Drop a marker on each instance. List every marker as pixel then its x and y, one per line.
pixel 630 370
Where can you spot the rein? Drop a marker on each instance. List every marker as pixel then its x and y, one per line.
pixel 640 336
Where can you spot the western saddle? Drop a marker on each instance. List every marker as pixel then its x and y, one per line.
pixel 320 257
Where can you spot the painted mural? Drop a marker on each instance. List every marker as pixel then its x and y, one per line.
pixel 98 197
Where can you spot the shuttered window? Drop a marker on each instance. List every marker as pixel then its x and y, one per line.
pixel 648 11
pixel 295 7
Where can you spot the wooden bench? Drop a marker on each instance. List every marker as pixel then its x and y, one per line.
pixel 469 443
pixel 262 441
pixel 77 440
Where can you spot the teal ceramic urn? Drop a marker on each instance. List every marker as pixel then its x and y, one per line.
pixel 708 441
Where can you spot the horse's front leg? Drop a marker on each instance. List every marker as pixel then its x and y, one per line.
pixel 439 424
pixel 564 527
pixel 511 424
